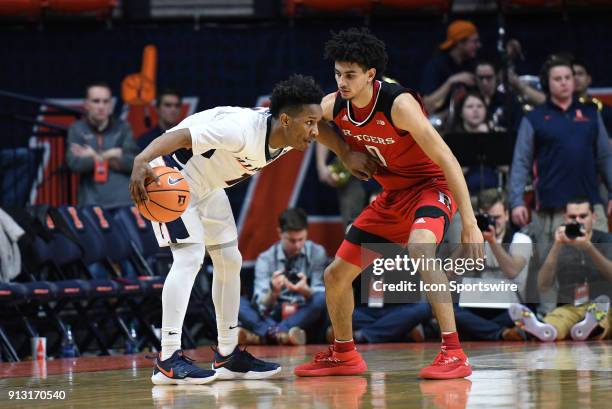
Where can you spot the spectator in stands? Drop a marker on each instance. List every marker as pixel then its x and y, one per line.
pixel 101 149
pixel 471 117
pixel 452 68
pixel 169 104
pixel 288 294
pixel 569 145
pixel 580 262
pixel 495 99
pixel 507 259
pixel 583 80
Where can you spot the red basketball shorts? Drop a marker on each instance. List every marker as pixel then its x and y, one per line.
pixel 394 215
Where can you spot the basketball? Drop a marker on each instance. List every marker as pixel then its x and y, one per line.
pixel 168 200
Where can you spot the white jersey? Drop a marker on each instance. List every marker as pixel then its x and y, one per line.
pixel 229 144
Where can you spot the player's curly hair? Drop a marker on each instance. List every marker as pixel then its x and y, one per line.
pixel 289 95
pixel 358 46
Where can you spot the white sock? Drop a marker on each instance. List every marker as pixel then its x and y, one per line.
pixel 187 261
pixel 171 342
pixel 227 262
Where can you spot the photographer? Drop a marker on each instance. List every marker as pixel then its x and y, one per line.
pixel 288 294
pixel 580 261
pixel 507 258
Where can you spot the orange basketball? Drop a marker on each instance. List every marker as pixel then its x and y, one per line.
pixel 168 200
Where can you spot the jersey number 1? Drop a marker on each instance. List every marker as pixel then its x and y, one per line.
pixel 374 151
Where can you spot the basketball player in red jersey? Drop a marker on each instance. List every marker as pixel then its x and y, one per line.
pixel 423 187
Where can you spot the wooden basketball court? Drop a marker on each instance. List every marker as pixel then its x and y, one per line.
pixel 506 375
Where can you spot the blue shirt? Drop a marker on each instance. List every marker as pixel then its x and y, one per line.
pixel 311 261
pixel 569 149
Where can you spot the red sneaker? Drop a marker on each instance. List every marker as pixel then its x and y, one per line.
pixel 448 364
pixel 330 363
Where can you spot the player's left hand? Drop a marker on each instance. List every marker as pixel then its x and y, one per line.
pixel 361 165
pixel 141 171
pixel 472 241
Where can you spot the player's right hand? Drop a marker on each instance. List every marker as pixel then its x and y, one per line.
pixel 361 165
pixel 141 171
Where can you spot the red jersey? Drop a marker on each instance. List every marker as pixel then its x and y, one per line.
pixel 406 164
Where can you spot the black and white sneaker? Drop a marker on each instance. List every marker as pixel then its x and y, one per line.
pixel 242 365
pixel 180 370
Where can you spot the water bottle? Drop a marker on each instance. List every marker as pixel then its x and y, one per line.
pixel 68 346
pixel 131 342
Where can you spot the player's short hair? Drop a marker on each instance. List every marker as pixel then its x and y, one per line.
pixel 490 197
pixel 358 46
pixel 168 91
pixel 293 219
pixel 101 84
pixel 290 95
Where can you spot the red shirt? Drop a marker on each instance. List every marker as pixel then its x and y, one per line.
pixel 371 130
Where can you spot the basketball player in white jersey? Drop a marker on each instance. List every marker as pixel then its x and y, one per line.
pixel 215 149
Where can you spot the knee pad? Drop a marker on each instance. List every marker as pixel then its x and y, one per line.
pixel 188 257
pixel 226 259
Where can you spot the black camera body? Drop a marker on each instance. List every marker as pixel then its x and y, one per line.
pixel 292 276
pixel 573 230
pixel 484 221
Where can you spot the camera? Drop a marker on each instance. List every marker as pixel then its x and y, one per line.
pixel 292 276
pixel 573 230
pixel 484 221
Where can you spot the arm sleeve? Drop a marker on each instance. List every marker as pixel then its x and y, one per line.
pixel 318 263
pixel 522 162
pixel 75 163
pixel 224 133
pixel 604 155
pixel 264 267
pixel 129 149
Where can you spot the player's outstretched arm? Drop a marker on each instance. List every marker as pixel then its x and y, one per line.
pixel 170 142
pixel 408 115
pixel 359 164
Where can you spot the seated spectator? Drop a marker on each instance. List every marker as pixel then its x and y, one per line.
pixel 452 68
pixel 471 117
pixel 495 99
pixel 580 264
pixel 288 295
pixel 507 258
pixel 101 150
